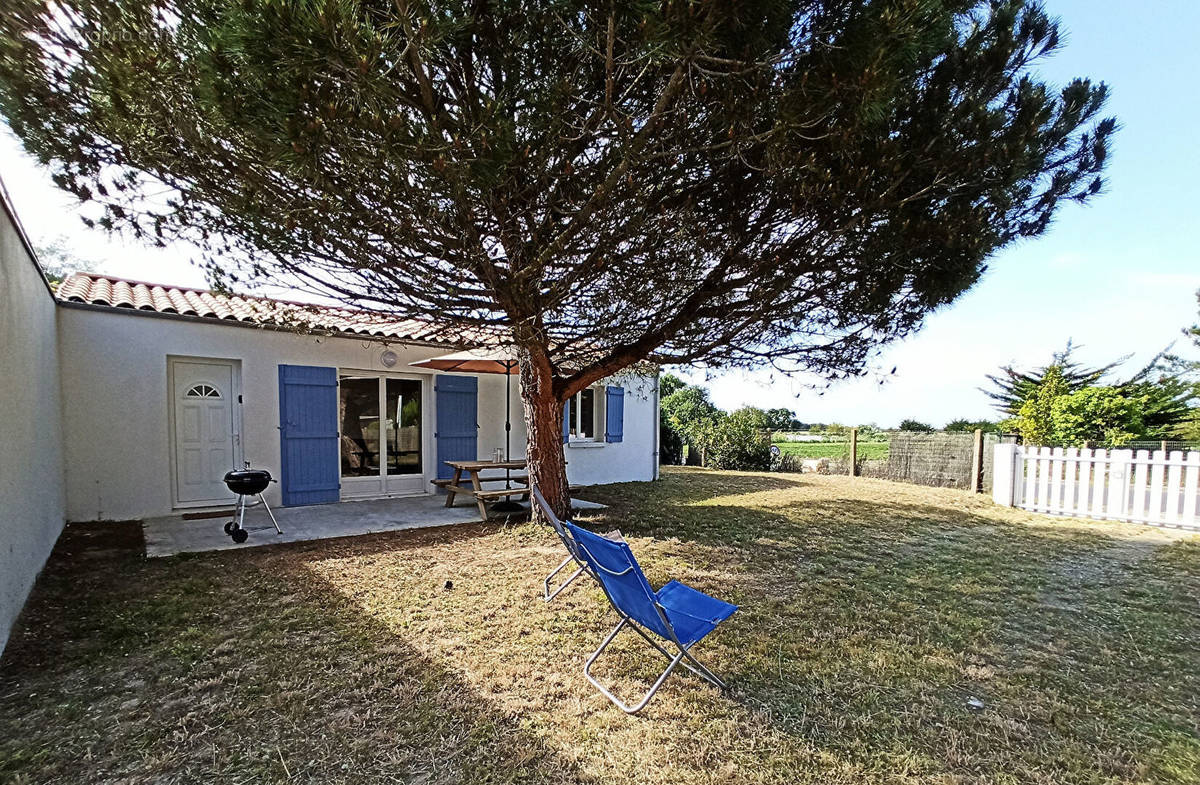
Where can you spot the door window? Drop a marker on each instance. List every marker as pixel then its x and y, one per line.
pixel 359 404
pixel 203 391
pixel 381 426
pixel 403 414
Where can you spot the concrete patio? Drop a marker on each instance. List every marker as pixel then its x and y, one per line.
pixel 174 534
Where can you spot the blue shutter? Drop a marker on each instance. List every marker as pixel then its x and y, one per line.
pixel 614 414
pixel 308 431
pixel 457 426
pixel 567 421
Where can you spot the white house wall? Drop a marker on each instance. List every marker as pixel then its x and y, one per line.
pixel 116 406
pixel 31 469
pixel 588 463
pixel 634 458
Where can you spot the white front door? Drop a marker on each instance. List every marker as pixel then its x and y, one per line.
pixel 205 435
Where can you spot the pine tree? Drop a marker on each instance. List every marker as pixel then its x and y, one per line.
pixel 592 185
pixel 1011 387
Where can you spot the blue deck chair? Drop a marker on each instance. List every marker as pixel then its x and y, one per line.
pixel 676 613
pixel 573 555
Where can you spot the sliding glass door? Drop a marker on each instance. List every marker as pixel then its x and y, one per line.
pixel 402 416
pixel 382 419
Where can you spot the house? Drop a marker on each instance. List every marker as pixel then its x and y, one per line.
pixel 129 400
pixel 166 389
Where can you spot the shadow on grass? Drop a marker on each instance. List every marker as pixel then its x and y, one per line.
pixel 866 629
pixel 938 641
pixel 881 639
pixel 220 668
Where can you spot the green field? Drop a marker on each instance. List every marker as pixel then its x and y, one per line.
pixel 868 451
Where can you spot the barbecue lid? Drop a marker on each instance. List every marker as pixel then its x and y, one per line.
pixel 247 474
pixel 247 481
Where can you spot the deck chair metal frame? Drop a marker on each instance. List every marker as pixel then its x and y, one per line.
pixel 568 542
pixel 684 656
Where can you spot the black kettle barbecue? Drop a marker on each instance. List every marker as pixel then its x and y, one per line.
pixel 247 482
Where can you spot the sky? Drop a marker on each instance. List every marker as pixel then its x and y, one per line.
pixel 1118 277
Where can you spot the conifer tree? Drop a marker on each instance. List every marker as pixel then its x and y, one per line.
pixel 595 184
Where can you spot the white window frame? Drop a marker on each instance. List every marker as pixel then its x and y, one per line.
pixel 384 485
pixel 598 425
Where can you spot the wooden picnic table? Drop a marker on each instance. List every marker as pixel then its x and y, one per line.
pixel 475 488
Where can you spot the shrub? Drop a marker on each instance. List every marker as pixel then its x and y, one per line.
pixel 670 444
pixel 691 417
pixel 1096 414
pixel 1035 417
pixel 785 462
pixel 963 425
pixel 1189 430
pixel 739 443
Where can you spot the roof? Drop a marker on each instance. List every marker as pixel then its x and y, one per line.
pixel 119 293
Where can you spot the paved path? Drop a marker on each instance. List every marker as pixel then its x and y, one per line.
pixel 170 535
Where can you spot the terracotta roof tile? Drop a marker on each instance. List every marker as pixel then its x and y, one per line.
pixel 119 293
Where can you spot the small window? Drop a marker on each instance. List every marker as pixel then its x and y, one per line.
pixel 585 412
pixel 202 391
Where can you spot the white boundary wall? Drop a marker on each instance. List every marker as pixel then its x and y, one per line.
pixel 1157 488
pixel 31 461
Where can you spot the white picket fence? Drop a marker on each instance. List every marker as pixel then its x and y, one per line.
pixel 1158 488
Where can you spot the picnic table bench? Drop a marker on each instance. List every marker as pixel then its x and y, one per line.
pixel 474 488
pixel 472 485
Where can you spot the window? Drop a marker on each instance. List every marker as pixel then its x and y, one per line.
pixel 360 426
pixel 202 391
pixel 586 415
pixel 403 419
pixel 381 426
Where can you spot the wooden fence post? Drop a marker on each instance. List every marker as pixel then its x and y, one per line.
pixel 853 452
pixel 977 462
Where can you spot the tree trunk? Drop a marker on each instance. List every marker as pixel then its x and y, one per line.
pixel 544 445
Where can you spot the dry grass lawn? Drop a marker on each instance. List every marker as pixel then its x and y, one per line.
pixel 888 634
